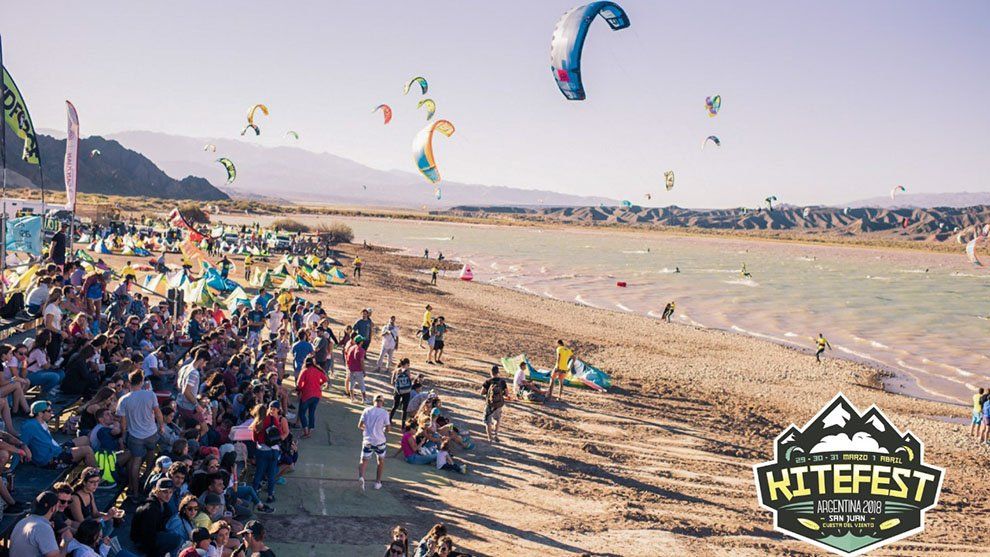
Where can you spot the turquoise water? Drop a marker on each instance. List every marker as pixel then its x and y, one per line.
pixel 879 306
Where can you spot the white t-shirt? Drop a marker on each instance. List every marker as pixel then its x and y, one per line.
pixel 390 337
pixel 188 375
pixel 375 419
pixel 55 312
pixel 517 381
pixel 441 458
pixel 275 320
pixel 38 295
pixel 150 364
pixel 311 318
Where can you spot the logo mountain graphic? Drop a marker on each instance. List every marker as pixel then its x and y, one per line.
pixel 848 482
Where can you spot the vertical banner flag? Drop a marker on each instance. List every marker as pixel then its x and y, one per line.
pixel 71 156
pixel 24 234
pixel 16 115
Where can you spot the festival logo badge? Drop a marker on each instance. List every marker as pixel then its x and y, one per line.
pixel 846 482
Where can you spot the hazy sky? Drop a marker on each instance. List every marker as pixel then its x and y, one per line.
pixel 823 102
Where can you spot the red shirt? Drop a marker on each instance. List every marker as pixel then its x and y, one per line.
pixel 310 383
pixel 355 357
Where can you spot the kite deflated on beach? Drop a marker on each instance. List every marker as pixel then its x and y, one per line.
pixel 422 148
pixel 568 42
pixel 466 274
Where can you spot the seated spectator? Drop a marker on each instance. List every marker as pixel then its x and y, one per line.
pixel 148 531
pixel 33 535
pixel 44 450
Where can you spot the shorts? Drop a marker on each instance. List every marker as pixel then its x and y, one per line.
pixel 426 333
pixel 368 449
pixel 66 455
pixel 559 374
pixel 437 344
pixel 140 447
pixel 977 418
pixel 493 417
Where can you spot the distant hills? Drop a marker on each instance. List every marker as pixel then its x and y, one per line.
pixel 117 170
pixel 922 200
pixel 938 224
pixel 296 174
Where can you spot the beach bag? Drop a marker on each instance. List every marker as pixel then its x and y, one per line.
pixel 496 395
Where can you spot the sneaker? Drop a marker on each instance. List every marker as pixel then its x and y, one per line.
pixel 361 481
pixel 263 508
pixel 441 363
pixel 378 485
pixel 280 481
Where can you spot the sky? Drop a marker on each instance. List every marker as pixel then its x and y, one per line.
pixel 822 102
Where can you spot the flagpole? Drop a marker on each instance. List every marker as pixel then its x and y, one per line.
pixel 3 160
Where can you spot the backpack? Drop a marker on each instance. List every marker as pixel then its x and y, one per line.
pixel 496 394
pixel 107 460
pixel 403 383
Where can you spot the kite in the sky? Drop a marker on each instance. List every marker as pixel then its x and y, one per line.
pixel 713 104
pixel 668 178
pixel 713 139
pixel 423 85
pixel 568 42
pixel 896 190
pixel 250 118
pixel 806 212
pixel 422 148
pixel 770 201
pixel 293 134
pixel 231 170
pixel 210 147
pixel 431 107
pixel 94 153
pixel 386 112
pixel 649 196
pixel 626 203
pixel 437 193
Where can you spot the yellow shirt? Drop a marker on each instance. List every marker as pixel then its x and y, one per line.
pixel 248 260
pixel 563 356
pixel 427 318
pixel 821 342
pixel 201 520
pixel 285 300
pixel 128 271
pixel 976 403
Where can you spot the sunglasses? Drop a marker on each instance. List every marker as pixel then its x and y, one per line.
pixel 64 501
pixel 192 508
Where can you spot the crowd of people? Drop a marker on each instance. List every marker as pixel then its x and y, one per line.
pixel 175 406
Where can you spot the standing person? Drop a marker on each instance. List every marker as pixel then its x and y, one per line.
pixel 354 359
pixel 248 261
pixel 822 344
pixel 974 429
pixel 188 384
pixel 364 327
pixel 427 321
pixel 494 391
pixel 565 359
pixel 374 427
pixel 401 390
pixel 300 351
pixel 57 250
pixel 141 424
pixel 433 275
pixel 668 311
pixel 310 387
pixel 357 267
pixel 437 333
pixel 256 320
pixel 275 318
pixel 33 535
pixel 390 343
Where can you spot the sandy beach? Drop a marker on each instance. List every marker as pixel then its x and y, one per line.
pixel 661 465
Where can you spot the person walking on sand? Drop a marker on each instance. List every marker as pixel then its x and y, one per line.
pixel 427 321
pixel 822 343
pixel 354 359
pixel 374 427
pixel 390 343
pixel 565 359
pixel 437 332
pixel 433 275
pixel 494 391
pixel 357 267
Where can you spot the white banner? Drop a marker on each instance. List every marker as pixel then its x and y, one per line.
pixel 71 156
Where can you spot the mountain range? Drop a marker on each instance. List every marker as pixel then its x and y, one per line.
pixel 295 174
pixel 115 170
pixel 935 224
pixel 912 200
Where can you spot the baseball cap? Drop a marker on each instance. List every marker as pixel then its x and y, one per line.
pixel 358 338
pixel 164 462
pixel 39 406
pixel 275 404
pixel 165 483
pixel 200 534
pixel 253 527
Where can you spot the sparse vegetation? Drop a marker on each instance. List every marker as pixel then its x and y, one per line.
pixel 289 225
pixel 335 232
